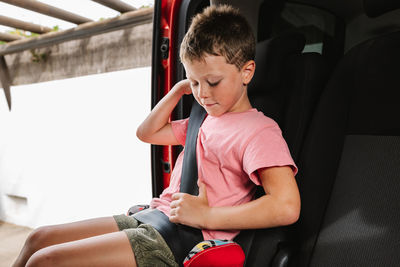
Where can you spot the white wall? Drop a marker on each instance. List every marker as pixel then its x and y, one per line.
pixel 68 149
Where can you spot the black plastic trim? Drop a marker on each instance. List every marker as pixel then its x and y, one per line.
pixel 156 68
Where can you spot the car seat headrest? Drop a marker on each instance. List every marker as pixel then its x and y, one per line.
pixel 270 58
pixel 375 8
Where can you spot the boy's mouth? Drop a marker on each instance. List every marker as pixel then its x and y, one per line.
pixel 209 105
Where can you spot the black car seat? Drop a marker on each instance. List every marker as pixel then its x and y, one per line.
pixel 350 162
pixel 286 86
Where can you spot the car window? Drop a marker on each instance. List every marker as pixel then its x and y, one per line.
pixel 318 26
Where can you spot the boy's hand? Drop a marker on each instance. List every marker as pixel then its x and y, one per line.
pixel 184 87
pixel 156 129
pixel 190 210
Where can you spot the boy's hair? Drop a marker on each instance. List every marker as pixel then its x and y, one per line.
pixel 219 31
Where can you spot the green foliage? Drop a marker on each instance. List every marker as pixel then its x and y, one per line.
pixel 39 57
pixel 23 33
pixel 27 34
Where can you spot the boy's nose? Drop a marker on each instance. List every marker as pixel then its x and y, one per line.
pixel 203 91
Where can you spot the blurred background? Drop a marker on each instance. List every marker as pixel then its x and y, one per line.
pixel 68 149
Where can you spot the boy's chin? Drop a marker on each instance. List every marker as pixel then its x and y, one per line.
pixel 214 110
pixel 214 113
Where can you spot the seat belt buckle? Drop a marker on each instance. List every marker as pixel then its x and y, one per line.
pixel 135 209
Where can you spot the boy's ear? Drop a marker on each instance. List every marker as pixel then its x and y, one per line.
pixel 248 70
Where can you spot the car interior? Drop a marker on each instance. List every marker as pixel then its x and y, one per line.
pixel 328 72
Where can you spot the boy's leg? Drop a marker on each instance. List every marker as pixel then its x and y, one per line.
pixel 112 249
pixel 56 234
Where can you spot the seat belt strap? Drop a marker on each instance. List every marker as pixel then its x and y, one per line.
pixel 189 167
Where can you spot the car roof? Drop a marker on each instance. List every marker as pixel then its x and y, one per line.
pixel 347 9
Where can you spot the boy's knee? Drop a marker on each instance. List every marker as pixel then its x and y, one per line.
pixel 43 258
pixel 38 238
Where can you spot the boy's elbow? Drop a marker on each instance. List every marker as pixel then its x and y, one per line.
pixel 291 213
pixel 140 133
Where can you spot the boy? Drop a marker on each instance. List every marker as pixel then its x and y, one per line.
pixel 238 148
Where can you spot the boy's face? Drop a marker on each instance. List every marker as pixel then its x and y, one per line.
pixel 218 86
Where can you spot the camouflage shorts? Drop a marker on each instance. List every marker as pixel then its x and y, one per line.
pixel 147 244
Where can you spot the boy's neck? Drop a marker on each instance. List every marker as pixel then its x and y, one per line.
pixel 243 104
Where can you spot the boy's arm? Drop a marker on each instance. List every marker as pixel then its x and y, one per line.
pixel 279 206
pixel 156 129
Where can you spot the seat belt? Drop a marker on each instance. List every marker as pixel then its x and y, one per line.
pixel 189 165
pixel 180 238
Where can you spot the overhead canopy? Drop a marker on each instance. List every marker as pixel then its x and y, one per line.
pixel 85 26
pixel 44 35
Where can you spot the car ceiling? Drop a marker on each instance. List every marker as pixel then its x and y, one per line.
pixel 346 9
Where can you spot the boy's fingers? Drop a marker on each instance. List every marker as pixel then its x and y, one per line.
pixel 177 199
pixel 173 218
pixel 177 196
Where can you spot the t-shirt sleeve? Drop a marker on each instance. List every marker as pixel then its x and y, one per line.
pixel 267 148
pixel 179 128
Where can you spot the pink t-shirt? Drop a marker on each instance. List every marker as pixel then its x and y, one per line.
pixel 230 149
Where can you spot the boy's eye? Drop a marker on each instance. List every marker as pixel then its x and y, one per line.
pixel 193 84
pixel 213 84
